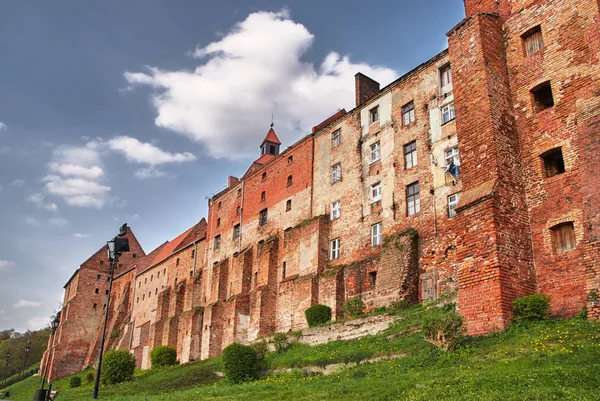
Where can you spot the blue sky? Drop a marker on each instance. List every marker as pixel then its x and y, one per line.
pixel 136 111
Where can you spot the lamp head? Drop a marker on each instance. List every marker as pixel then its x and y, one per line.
pixel 123 230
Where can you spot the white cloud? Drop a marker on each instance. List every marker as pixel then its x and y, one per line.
pixel 81 235
pixel 149 172
pixel 2 126
pixel 38 199
pixel 17 183
pixel 76 176
pixel 254 70
pixel 5 264
pixel 4 149
pixel 38 323
pixel 27 304
pixel 146 153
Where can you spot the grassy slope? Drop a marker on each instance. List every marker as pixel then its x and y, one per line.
pixel 552 360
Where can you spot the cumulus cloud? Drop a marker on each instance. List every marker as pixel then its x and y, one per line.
pixel 2 126
pixel 38 200
pixel 149 172
pixel 17 183
pixel 38 323
pixel 146 153
pixel 5 264
pixel 255 70
pixel 26 304
pixel 81 235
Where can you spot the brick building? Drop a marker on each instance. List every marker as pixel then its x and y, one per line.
pixel 471 177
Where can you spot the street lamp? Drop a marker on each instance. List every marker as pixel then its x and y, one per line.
pixel 27 349
pixel 40 395
pixel 6 368
pixel 115 247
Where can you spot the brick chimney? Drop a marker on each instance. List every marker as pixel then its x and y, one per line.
pixel 231 181
pixel 365 88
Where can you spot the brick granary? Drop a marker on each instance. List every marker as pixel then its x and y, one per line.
pixel 473 177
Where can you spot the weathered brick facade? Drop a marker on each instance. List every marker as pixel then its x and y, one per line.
pixel 394 200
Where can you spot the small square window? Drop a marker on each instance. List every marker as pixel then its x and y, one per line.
pixel 533 40
pixel 236 231
pixel 336 172
pixel 288 205
pixel 448 113
pixel 376 192
pixel 334 249
pixel 563 237
pixel 408 113
pixel 375 152
pixel 452 202
pixel 335 210
pixel 336 138
pixel 376 234
pixel 262 217
pixel 374 115
pixel 372 279
pixel 542 96
pixel 413 199
pixel 217 242
pixel 554 163
pixel 410 155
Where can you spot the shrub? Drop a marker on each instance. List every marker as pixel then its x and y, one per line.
pixel 115 334
pixel 90 376
pixel 163 356
pixel 443 329
pixel 74 381
pixel 450 307
pixel 239 363
pixel 281 342
pixel 353 308
pixel 261 349
pixel 317 314
pixel 583 313
pixel 531 307
pixel 117 367
pixel 400 305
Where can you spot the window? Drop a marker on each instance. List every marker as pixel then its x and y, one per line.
pixel 408 113
pixel 335 210
pixel 146 279
pixel 452 202
pixel 219 222
pixel 219 205
pixel 334 249
pixel 445 77
pixel 177 262
pixel 96 291
pixel 376 192
pixel 94 306
pixel 554 163
pixel 236 231
pixel 283 270
pixel 413 199
pixel 158 275
pixel 376 234
pixel 263 196
pixel 101 262
pixel 240 192
pixel 151 277
pixel 255 279
pixel 264 176
pixel 336 138
pixel 452 157
pixel 238 210
pixel 262 217
pixel 336 173
pixel 542 96
pixel 410 155
pixel 375 152
pixel 563 237
pixel 98 277
pixel 155 291
pixel 372 278
pixel 290 181
pixel 272 149
pixel 290 159
pixel 218 241
pixel 374 115
pixel 533 40
pixel 448 113
pixel 133 255
pixel 192 254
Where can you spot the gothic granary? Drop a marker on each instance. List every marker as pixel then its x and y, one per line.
pixel 473 176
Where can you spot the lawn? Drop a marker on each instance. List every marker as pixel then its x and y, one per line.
pixel 547 360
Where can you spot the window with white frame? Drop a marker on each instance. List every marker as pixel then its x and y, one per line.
pixel 375 152
pixel 334 249
pixel 448 113
pixel 410 155
pixel 452 156
pixel 408 113
pixel 376 192
pixel 452 202
pixel 376 234
pixel 374 115
pixel 413 199
pixel 336 138
pixel 335 210
pixel 336 172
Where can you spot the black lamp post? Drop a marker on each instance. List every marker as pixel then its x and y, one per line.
pixel 27 349
pixel 40 395
pixel 6 367
pixel 116 247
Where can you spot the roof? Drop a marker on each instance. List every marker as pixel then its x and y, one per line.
pixel 264 159
pixel 271 137
pixel 145 262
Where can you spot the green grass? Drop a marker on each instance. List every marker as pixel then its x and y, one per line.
pixel 547 360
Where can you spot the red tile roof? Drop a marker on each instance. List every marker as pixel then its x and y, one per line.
pixel 145 262
pixel 271 137
pixel 264 158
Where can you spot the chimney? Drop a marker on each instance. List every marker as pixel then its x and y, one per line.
pixel 365 88
pixel 231 181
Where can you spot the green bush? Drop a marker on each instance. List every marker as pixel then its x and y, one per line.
pixel 317 314
pixel 583 313
pixel 239 363
pixel 115 334
pixel 261 348
pixel 90 376
pixel 117 367
pixel 74 381
pixel 281 342
pixel 163 356
pixel 353 308
pixel 400 305
pixel 443 329
pixel 531 307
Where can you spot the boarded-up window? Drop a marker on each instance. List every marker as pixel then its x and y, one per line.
pixel 428 286
pixel 563 237
pixel 533 40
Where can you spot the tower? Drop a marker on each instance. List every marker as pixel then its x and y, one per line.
pixel 270 145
